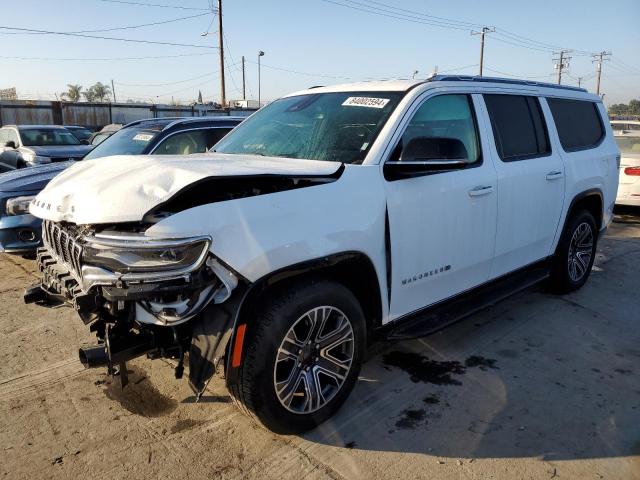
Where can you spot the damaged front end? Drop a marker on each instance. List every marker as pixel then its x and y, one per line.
pixel 139 295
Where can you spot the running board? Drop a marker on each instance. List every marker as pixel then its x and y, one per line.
pixel 436 317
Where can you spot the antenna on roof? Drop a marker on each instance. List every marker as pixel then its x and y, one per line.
pixel 434 73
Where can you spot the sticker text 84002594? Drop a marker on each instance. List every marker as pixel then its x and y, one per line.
pixel 370 102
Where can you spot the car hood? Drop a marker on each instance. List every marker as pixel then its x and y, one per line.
pixel 124 188
pixel 32 178
pixel 56 151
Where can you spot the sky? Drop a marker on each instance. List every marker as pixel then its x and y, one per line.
pixel 309 42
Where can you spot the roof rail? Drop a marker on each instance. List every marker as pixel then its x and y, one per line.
pixel 511 81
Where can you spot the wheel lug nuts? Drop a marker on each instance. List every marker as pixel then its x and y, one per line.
pixel 307 369
pixel 315 359
pixel 299 352
pixel 299 364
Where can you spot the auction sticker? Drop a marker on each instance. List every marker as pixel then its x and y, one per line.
pixel 370 102
pixel 143 137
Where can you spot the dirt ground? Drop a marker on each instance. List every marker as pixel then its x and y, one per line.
pixel 539 387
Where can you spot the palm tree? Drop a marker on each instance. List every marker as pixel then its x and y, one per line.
pixel 101 91
pixel 73 93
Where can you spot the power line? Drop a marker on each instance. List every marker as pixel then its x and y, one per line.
pixel 105 38
pixel 109 59
pixel 162 84
pixel 116 28
pixel 141 4
pixel 398 16
pixel 413 12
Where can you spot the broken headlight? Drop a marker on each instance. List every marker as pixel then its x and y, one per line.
pixel 123 256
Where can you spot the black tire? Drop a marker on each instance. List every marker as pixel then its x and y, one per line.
pixel 255 390
pixel 564 278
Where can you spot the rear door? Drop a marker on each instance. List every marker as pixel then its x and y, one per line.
pixel 442 225
pixel 531 180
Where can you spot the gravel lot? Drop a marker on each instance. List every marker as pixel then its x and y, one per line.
pixel 539 386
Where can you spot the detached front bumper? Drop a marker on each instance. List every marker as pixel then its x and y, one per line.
pixel 160 315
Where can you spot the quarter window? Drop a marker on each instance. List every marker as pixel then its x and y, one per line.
pixel 578 123
pixel 518 126
pixel 444 116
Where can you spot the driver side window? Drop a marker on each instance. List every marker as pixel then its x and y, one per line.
pixel 450 120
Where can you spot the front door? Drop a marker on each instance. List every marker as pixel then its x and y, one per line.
pixel 442 225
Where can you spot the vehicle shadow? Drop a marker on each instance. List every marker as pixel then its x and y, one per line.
pixel 552 377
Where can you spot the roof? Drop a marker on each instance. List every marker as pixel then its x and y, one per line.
pixel 20 127
pixel 405 85
pixel 168 122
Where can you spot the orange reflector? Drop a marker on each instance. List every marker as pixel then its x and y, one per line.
pixel 237 346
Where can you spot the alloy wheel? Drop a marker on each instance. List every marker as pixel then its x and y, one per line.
pixel 580 251
pixel 314 359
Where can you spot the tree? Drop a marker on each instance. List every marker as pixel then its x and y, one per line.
pixel 73 93
pixel 98 92
pixel 632 108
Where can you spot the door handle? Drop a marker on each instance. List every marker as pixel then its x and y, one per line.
pixel 480 190
pixel 554 175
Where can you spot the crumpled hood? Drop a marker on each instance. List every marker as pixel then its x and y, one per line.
pixel 32 178
pixel 124 188
pixel 58 151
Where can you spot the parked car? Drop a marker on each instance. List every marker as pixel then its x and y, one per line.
pixel 28 145
pixel 329 218
pixel 106 131
pixel 622 127
pixel 81 133
pixel 20 231
pixel 628 141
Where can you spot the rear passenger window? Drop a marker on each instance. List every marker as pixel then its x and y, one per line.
pixel 518 126
pixel 578 123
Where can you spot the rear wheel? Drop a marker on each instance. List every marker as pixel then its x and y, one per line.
pixel 302 356
pixel 575 254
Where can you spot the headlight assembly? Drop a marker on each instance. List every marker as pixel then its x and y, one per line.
pixel 35 159
pixel 18 205
pixel 140 256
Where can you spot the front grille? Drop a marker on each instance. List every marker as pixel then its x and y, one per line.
pixel 63 245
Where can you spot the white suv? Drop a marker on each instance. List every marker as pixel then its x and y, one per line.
pixel 329 218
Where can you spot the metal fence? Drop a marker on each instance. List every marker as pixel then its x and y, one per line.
pixel 97 115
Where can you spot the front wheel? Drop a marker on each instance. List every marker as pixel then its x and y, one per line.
pixel 302 356
pixel 575 254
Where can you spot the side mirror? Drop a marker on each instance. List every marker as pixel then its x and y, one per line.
pixel 10 144
pixel 427 155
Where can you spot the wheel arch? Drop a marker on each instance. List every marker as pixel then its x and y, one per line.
pixel 353 269
pixel 591 200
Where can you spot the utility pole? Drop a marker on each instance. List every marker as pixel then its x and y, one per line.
pixel 482 33
pixel 223 99
pixel 113 90
pixel 563 62
pixel 260 54
pixel 244 95
pixel 580 81
pixel 598 59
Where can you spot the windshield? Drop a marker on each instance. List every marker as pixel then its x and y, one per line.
pixel 326 126
pixel 46 137
pixel 629 144
pixel 81 133
pixel 128 141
